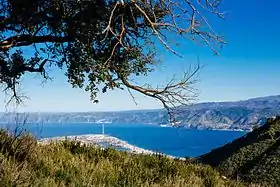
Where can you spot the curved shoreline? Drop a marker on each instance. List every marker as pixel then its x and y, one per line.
pixel 104 141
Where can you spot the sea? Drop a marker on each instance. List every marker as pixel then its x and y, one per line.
pixel 179 142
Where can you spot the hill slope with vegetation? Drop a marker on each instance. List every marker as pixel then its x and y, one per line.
pixel 24 162
pixel 254 157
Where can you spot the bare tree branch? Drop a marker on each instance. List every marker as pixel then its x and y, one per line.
pixel 173 94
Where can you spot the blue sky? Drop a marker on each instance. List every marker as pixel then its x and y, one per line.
pixel 248 66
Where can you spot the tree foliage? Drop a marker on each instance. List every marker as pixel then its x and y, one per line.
pixel 101 44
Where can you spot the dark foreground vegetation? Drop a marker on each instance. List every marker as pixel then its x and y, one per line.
pixel 254 157
pixel 24 162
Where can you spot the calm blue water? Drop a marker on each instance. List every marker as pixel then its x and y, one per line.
pixel 173 141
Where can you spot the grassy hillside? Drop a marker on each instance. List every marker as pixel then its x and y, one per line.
pixel 254 157
pixel 24 162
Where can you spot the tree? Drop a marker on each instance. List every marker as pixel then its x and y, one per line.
pixel 101 43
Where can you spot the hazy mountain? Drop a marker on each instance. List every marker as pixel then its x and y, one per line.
pixel 212 115
pixel 232 115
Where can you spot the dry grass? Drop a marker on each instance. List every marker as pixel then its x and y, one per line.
pixel 71 164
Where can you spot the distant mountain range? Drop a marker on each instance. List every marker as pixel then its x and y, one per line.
pixel 239 115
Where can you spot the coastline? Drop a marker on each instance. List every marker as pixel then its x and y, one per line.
pixel 136 124
pixel 104 141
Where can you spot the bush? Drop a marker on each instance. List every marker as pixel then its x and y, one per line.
pixel 17 145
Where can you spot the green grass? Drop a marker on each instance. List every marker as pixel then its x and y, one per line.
pixel 24 162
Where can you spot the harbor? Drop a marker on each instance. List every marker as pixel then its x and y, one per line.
pixel 103 141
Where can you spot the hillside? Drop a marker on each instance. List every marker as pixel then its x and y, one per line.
pixel 254 157
pixel 215 115
pixel 24 162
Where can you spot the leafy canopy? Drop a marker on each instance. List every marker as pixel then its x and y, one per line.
pixel 101 43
